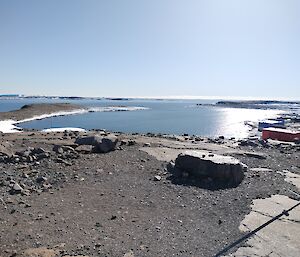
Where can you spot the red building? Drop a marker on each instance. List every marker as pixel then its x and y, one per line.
pixel 280 134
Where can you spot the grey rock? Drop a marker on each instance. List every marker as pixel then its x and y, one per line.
pixel 106 144
pixel 25 153
pixel 38 150
pixel 84 148
pixel 123 142
pixel 131 142
pixel 29 158
pixel 88 140
pixel 41 179
pixel 69 149
pixel 60 160
pixel 157 178
pixel 42 156
pixel 248 143
pixel 58 149
pixel 16 188
pixel 217 167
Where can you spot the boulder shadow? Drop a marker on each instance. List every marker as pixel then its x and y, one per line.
pixel 202 182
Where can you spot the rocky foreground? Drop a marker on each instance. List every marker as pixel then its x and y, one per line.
pixel 102 194
pixel 60 196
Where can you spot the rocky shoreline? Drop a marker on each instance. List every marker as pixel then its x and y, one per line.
pixel 117 197
pixel 29 111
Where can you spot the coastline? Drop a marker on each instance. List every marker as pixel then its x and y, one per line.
pixel 9 120
pixel 127 202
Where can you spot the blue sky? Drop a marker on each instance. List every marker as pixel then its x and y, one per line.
pixel 248 48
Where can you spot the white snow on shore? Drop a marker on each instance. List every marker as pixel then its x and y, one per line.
pixel 9 126
pixel 63 129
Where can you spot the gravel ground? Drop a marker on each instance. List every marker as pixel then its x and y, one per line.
pixel 112 204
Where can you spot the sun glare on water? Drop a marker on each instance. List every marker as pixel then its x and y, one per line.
pixel 232 121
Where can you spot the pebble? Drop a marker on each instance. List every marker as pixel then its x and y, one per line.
pixel 41 179
pixel 157 178
pixel 17 188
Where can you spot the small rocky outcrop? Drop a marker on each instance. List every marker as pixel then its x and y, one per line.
pixel 29 155
pixel 100 144
pixel 202 165
pixel 88 140
pixel 106 144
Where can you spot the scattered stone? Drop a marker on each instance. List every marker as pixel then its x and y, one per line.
pixel 25 153
pixel 59 160
pixel 248 142
pixel 131 142
pixel 123 142
pixel 129 254
pixel 58 149
pixel 98 225
pixel 42 156
pixel 157 178
pixel 113 217
pixel 16 189
pixel 38 150
pixel 41 180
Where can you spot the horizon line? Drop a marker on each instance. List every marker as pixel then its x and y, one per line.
pixel 174 97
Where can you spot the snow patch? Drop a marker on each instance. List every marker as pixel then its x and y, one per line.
pixel 7 126
pixel 63 129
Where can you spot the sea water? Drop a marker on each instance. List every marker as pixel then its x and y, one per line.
pixel 193 117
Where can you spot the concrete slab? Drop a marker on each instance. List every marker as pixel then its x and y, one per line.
pixel 281 238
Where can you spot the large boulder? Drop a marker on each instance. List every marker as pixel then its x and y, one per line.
pixel 88 140
pixel 106 144
pixel 216 167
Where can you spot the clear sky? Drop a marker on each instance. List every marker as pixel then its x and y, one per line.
pixel 248 48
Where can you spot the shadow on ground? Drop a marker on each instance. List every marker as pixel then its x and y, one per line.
pixel 205 182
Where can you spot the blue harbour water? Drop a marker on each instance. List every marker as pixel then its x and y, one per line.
pixel 161 116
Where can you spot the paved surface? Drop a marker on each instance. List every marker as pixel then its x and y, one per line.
pixel 280 238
